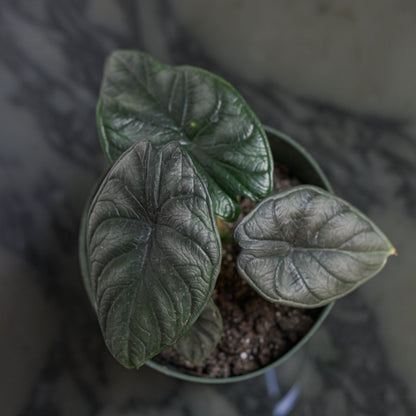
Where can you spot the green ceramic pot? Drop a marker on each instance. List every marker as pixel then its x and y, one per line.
pixel 299 162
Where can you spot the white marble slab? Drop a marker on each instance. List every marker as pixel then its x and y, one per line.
pixel 356 54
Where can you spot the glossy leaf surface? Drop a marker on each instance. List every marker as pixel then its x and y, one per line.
pixel 203 337
pixel 305 247
pixel 153 249
pixel 143 99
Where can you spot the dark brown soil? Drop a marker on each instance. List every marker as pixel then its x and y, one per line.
pixel 256 332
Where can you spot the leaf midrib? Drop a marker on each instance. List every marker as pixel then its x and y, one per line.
pixel 155 99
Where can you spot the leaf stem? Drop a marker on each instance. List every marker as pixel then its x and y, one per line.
pixel 226 231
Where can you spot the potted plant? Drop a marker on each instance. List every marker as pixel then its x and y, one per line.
pixel 186 153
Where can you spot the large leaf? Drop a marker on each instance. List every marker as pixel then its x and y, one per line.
pixel 154 251
pixel 82 243
pixel 203 337
pixel 143 99
pixel 305 247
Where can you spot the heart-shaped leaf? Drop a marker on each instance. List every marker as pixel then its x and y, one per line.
pixel 203 337
pixel 305 247
pixel 154 251
pixel 82 243
pixel 143 99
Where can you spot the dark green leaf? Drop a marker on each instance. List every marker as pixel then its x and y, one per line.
pixel 305 247
pixel 82 246
pixel 83 256
pixel 203 337
pixel 143 99
pixel 153 249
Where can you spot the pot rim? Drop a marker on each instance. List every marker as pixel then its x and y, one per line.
pixel 171 371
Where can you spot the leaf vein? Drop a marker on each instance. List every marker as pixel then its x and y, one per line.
pixel 297 271
pixel 329 271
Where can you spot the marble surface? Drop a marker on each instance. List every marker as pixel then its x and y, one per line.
pixel 334 75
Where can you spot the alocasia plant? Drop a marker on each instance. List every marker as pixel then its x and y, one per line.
pixel 183 145
pixel 143 99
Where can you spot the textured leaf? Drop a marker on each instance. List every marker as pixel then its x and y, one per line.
pixel 203 337
pixel 143 99
pixel 305 247
pixel 82 243
pixel 154 251
pixel 83 255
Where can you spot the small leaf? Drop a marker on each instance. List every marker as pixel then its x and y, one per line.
pixel 305 247
pixel 203 337
pixel 143 99
pixel 153 249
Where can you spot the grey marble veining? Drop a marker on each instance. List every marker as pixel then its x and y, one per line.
pixel 53 360
pixel 354 53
